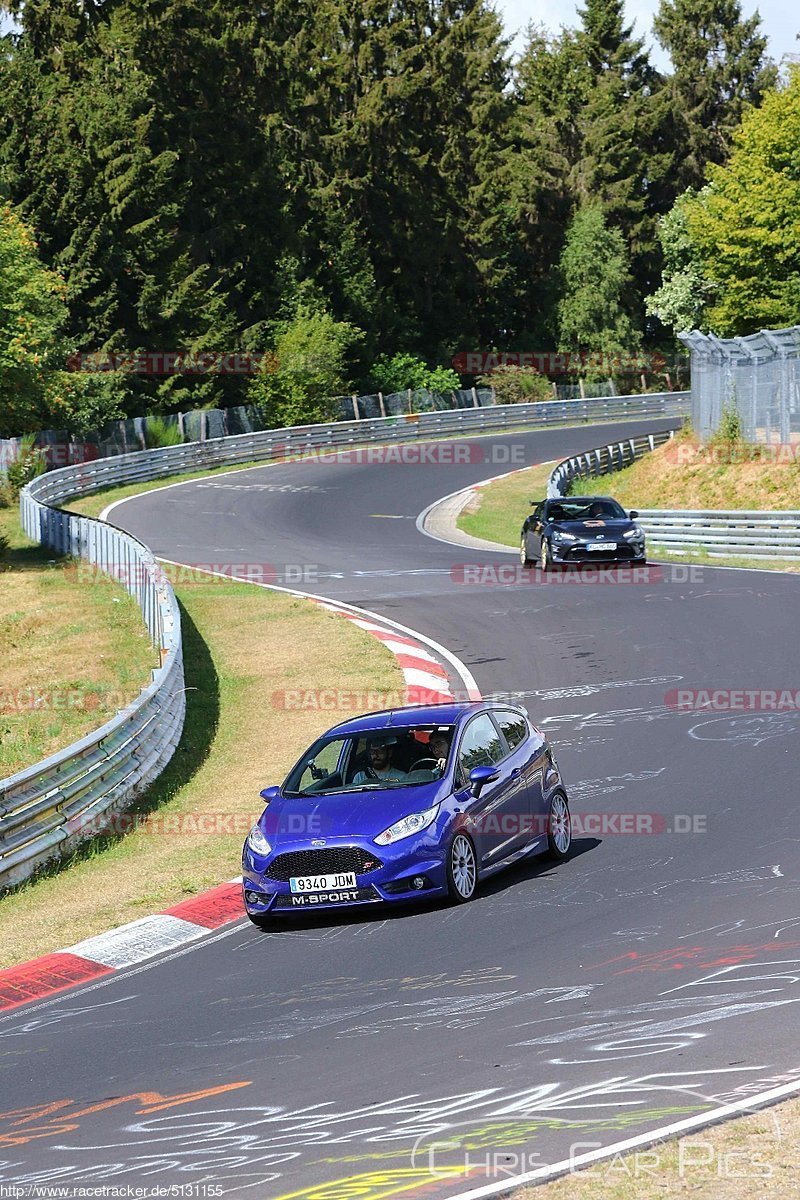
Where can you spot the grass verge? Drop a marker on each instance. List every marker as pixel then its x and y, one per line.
pixel 685 474
pixel 756 1155
pixel 244 647
pixel 498 510
pixel 654 481
pixel 74 652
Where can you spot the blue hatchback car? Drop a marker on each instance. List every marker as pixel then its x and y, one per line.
pixel 410 802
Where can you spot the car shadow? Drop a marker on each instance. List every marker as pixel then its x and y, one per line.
pixel 526 868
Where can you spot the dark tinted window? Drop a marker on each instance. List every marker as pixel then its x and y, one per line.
pixel 514 727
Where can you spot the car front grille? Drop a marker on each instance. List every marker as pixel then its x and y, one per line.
pixel 322 862
pixel 622 552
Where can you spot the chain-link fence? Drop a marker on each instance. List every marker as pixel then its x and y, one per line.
pixel 758 376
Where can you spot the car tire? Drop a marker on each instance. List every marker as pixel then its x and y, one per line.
pixel 462 869
pixel 546 560
pixel 523 552
pixel 559 828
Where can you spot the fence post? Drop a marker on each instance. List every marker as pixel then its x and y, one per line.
pixel 356 414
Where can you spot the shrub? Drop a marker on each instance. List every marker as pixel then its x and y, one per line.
pixel 29 463
pixel 158 431
pixel 516 385
pixel 299 382
pixel 729 429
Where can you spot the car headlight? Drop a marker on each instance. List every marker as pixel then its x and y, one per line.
pixel 257 842
pixel 636 532
pixel 560 536
pixel 403 829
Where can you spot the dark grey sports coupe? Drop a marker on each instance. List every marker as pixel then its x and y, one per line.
pixel 580 529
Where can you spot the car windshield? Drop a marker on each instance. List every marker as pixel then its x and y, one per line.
pixel 586 510
pixel 371 761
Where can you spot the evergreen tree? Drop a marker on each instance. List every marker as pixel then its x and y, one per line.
pixel 719 67
pixel 595 274
pixel 551 82
pixel 620 165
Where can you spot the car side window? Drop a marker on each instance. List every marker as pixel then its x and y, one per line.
pixel 514 727
pixel 480 747
pixel 322 766
pixel 537 513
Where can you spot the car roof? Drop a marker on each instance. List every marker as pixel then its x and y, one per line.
pixel 580 499
pixel 416 714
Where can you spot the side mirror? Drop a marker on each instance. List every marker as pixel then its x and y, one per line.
pixel 633 514
pixel 270 793
pixel 480 776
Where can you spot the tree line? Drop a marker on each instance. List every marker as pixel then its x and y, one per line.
pixel 349 181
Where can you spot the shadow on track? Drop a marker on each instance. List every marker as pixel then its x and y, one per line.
pixel 532 868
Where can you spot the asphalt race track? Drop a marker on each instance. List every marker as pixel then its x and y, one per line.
pixel 652 977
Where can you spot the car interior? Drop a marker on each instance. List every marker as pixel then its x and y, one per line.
pixel 409 748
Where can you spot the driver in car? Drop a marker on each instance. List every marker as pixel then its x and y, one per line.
pixel 380 764
pixel 440 748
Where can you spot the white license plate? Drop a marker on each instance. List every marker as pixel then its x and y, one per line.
pixel 322 883
pixel 601 546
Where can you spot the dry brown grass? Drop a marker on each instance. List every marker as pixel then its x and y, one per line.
pixel 73 651
pixel 758 1155
pixel 684 474
pixel 242 645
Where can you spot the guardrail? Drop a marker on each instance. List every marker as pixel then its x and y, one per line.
pixel 725 533
pixel 143 465
pixel 603 460
pixel 47 809
pixel 719 533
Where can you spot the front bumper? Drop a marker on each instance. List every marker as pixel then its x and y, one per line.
pixel 567 552
pixel 416 871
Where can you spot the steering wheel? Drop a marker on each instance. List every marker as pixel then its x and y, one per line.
pixel 429 764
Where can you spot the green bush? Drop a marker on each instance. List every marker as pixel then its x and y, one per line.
pixel 158 432
pixel 298 383
pixel 516 385
pixel 442 380
pixel 403 371
pixel 29 463
pixel 5 546
pixel 729 429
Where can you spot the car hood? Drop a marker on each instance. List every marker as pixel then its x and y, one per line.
pixel 363 814
pixel 594 526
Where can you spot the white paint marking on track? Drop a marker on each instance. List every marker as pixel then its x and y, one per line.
pixel 460 668
pixel 677 1128
pixel 138 940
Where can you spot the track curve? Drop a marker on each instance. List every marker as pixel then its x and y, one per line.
pixel 650 978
